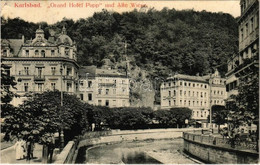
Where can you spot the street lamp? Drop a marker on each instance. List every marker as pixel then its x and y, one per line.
pixel 61 104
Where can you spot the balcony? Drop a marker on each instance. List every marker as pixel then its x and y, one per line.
pixel 100 85
pixel 253 36
pixel 68 77
pixel 247 66
pixel 39 78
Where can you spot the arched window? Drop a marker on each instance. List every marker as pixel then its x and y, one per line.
pixel 5 52
pixel 36 52
pixel 43 53
pixel 67 51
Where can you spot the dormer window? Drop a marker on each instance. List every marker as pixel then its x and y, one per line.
pixel 36 52
pixel 27 52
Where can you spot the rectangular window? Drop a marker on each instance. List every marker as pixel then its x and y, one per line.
pixel 26 70
pixel 69 70
pixel 69 87
pixel 241 34
pixel 81 96
pixel 26 87
pixel 52 52
pixel 40 87
pixel 53 86
pixel 252 24
pixel 90 97
pixel 53 70
pixel 246 30
pixel 107 91
pixel 169 102
pixel 107 103
pixel 180 92
pixel 99 102
pixel 180 102
pixel 169 93
pixel 99 91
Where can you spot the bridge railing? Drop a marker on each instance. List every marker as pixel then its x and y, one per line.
pixel 221 142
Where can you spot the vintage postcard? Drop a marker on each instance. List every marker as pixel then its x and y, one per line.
pixel 130 82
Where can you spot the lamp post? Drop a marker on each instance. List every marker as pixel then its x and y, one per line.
pixel 210 108
pixel 61 104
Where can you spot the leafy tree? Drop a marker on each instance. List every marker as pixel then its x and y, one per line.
pixel 181 114
pixel 7 85
pixel 244 107
pixel 219 115
pixel 42 115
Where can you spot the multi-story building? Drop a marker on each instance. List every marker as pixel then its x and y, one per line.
pixel 241 64
pixel 41 64
pixel 195 92
pixel 247 60
pixel 104 87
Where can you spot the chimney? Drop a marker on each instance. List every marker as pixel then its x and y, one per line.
pixel 23 38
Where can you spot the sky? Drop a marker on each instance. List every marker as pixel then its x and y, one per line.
pixel 52 11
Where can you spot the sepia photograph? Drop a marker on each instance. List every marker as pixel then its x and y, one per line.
pixel 129 82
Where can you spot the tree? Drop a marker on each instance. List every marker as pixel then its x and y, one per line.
pixel 7 84
pixel 181 114
pixel 219 115
pixel 244 107
pixel 41 115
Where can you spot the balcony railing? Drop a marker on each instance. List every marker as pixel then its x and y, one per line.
pixel 246 64
pixel 39 78
pixel 68 77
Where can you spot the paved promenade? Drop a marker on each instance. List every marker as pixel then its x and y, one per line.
pixel 8 156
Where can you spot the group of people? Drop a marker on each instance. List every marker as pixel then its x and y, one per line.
pixel 24 149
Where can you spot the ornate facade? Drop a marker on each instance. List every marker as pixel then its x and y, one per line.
pixel 41 64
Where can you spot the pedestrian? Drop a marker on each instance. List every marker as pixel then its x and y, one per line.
pixel 32 148
pixel 29 148
pixel 51 147
pixel 19 150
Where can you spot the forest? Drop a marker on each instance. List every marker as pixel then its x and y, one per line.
pixel 161 42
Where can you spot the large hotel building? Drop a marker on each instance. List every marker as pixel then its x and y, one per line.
pixel 42 64
pixel 247 59
pixel 198 93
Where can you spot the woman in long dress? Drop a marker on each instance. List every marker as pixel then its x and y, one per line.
pixel 19 149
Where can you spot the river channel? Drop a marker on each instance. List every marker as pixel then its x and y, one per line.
pixel 138 152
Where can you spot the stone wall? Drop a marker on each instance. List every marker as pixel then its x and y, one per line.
pixel 219 155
